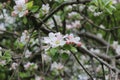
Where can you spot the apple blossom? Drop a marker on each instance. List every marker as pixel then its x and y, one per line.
pixel 72 14
pixel 20 8
pixel 2 28
pixel 58 20
pixel 83 77
pixel 39 77
pixel 115 44
pixel 27 54
pixel 68 8
pixel 95 50
pixel 55 40
pixel 97 13
pixel 69 26
pixel 102 26
pixel 81 7
pixel 99 35
pixel 50 23
pixel 118 50
pixel 45 8
pixel 3 62
pixel 76 24
pixel 57 66
pixel 73 25
pixel 8 20
pixel 46 58
pixel 24 38
pixel 14 66
pixel 92 8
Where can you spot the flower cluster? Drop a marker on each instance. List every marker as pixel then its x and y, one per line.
pixel 57 39
pixel 20 8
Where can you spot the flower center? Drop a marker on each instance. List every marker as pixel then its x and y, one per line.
pixel 57 42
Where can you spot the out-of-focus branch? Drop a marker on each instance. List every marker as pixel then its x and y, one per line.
pixel 83 50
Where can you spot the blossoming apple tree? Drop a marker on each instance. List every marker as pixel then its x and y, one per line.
pixel 59 40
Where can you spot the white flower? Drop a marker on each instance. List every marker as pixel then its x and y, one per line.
pixel 76 24
pixel 46 58
pixel 1 16
pixel 50 24
pixel 102 26
pixel 0 48
pixel 92 8
pixel 68 8
pixel 37 15
pixel 83 77
pixel 72 14
pixel 95 50
pixel 81 7
pixel 57 66
pixel 27 54
pixel 38 78
pixel 69 26
pixel 54 40
pixel 58 20
pixel 99 35
pixel 3 62
pixel 2 28
pixel 114 1
pixel 14 66
pixel 20 2
pixel 24 38
pixel 118 50
pixel 97 13
pixel 20 8
pixel 45 8
pixel 7 18
pixel 115 44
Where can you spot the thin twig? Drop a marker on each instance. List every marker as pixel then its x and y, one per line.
pixel 82 65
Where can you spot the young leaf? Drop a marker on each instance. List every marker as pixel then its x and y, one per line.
pixel 29 5
pixel 34 9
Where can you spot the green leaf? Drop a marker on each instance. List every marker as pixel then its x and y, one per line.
pixel 67 47
pixel 34 9
pixel 25 20
pixel 73 49
pixel 23 74
pixel 2 76
pixel 21 45
pixel 29 5
pixel 53 51
pixel 65 56
pixel 7 56
pixel 108 10
pixel 55 57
